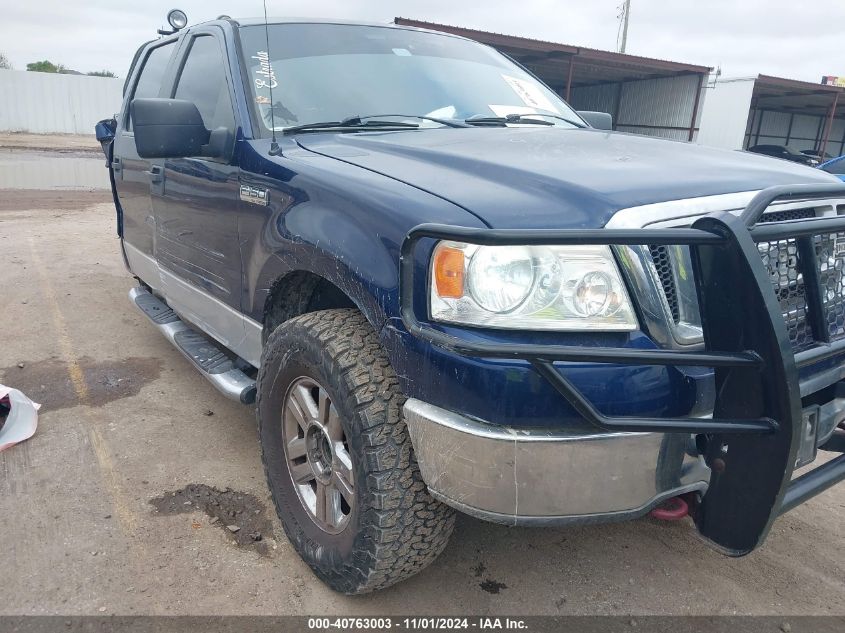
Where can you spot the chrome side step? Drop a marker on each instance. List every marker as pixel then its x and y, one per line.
pixel 205 354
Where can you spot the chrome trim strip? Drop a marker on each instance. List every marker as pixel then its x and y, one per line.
pixel 687 208
pixel 533 476
pixel 233 330
pixel 638 267
pixel 683 212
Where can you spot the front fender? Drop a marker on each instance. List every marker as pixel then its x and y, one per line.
pixel 333 219
pixel 373 294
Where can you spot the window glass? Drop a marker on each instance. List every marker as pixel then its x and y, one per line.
pixel 152 73
pixel 328 72
pixel 203 81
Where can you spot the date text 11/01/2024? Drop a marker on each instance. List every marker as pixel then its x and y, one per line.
pixel 416 623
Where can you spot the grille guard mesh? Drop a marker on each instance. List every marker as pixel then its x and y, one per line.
pixel 752 441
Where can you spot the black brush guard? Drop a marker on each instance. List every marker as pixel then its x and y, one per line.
pixel 752 440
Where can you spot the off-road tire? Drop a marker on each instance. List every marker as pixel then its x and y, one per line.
pixel 396 528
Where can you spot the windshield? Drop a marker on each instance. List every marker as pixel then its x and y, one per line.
pixel 331 72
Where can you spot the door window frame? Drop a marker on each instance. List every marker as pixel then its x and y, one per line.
pixel 185 51
pixel 179 66
pixel 167 78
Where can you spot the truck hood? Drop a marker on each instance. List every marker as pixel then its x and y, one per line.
pixel 520 177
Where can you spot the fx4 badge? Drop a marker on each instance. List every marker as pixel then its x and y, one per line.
pixel 254 195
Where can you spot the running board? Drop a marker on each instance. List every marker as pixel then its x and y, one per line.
pixel 205 354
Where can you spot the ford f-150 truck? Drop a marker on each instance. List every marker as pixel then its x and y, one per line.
pixel 443 288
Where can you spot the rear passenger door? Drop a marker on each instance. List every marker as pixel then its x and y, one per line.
pixel 196 206
pixel 132 174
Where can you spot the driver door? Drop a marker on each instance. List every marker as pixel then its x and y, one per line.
pixel 195 202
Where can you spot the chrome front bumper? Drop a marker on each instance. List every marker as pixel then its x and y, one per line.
pixel 534 477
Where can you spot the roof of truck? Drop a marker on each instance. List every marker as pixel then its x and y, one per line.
pixel 300 20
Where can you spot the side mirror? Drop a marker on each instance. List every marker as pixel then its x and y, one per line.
pixel 598 120
pixel 168 128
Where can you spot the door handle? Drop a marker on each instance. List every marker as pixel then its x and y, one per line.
pixel 116 164
pixel 156 174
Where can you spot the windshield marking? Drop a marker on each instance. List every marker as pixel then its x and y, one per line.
pixel 266 75
pixel 530 94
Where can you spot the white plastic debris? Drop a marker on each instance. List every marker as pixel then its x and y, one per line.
pixel 22 419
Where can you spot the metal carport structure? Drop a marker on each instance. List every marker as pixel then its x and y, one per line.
pixel 648 96
pixel 748 111
pixel 802 113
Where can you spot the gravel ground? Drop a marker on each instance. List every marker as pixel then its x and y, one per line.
pixel 57 143
pixel 125 500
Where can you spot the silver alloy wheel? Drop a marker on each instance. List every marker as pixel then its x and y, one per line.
pixel 317 455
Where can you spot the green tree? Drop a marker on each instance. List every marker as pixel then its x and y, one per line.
pixel 101 73
pixel 45 67
pixel 5 64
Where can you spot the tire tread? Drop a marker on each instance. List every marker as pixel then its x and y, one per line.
pixel 403 527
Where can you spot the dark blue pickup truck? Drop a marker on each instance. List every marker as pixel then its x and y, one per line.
pixel 443 288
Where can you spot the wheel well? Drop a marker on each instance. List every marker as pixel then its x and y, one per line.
pixel 298 293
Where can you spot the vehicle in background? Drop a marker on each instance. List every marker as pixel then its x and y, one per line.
pixel 817 154
pixel 835 167
pixel 786 153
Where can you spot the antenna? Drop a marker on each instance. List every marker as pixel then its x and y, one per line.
pixel 274 145
pixel 623 25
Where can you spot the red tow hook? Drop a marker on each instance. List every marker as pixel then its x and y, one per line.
pixel 673 509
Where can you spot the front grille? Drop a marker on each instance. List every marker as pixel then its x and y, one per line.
pixel 830 255
pixel 787 215
pixel 784 264
pixel 781 260
pixel 663 266
pixel 787 270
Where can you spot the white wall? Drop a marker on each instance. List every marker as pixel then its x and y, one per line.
pixel 44 103
pixel 725 115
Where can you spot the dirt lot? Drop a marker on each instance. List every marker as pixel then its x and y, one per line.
pixel 59 143
pixel 120 502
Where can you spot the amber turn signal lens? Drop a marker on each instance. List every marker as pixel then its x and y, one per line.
pixel 449 272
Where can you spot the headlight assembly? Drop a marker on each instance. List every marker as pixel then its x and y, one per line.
pixel 529 287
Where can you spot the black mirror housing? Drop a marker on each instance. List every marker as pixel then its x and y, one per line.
pixel 104 131
pixel 597 120
pixel 168 128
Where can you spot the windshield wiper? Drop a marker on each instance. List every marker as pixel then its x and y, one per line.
pixel 529 119
pixel 349 125
pixel 422 117
pixel 356 123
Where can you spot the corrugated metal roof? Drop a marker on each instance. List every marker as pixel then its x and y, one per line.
pixel 799 97
pixel 584 54
pixel 644 95
pixel 782 83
